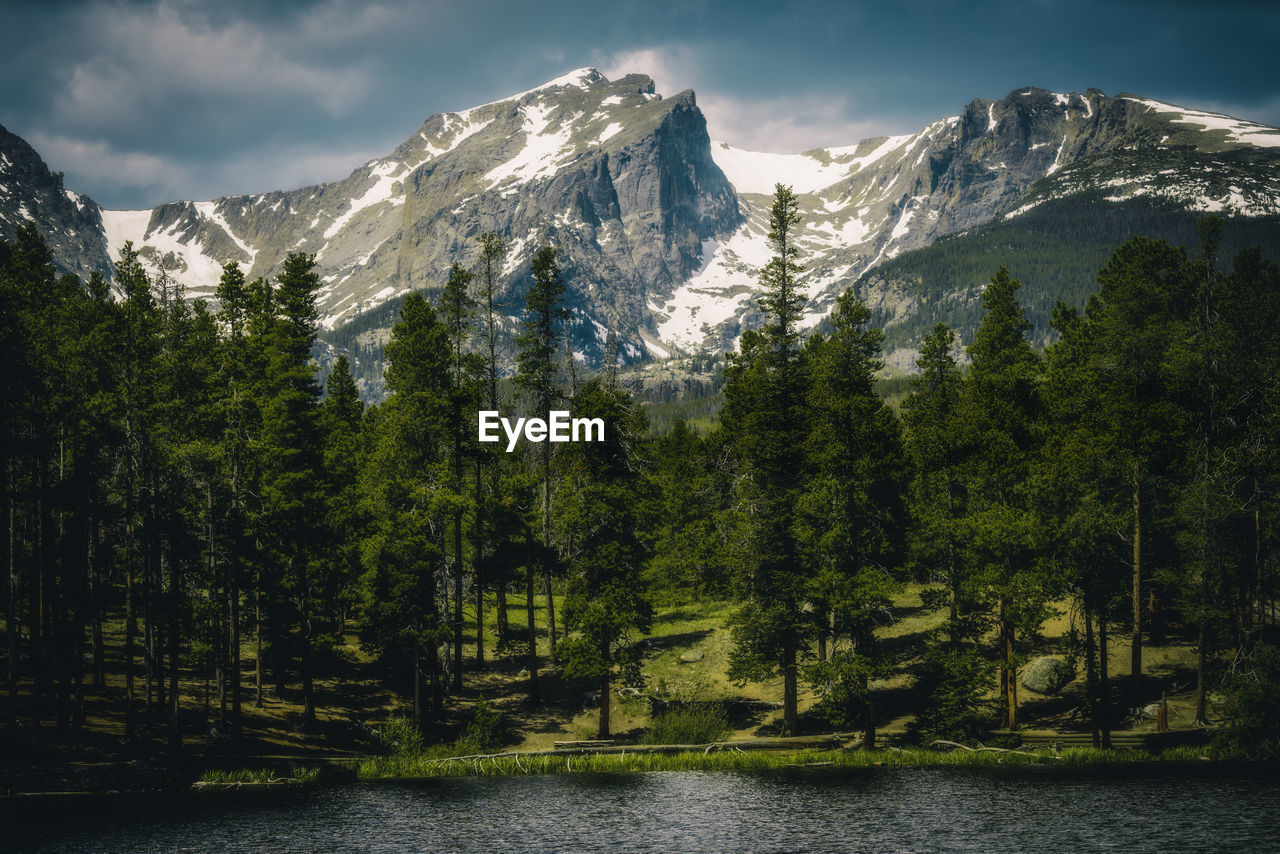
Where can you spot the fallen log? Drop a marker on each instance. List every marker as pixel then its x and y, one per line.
pixel 942 742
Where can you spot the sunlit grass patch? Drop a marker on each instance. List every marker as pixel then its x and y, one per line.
pixel 257 776
pixel 699 723
pixel 729 759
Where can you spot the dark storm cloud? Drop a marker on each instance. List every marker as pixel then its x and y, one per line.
pixel 140 102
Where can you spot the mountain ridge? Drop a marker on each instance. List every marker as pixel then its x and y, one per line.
pixel 661 230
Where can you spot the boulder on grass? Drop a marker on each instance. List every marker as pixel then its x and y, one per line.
pixel 1047 675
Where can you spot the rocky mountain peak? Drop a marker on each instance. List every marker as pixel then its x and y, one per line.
pixel 661 232
pixel 71 222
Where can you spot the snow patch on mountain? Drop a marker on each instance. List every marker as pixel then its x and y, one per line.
pixel 1238 130
pixel 122 226
pixel 385 173
pixel 169 251
pixel 612 130
pixel 466 127
pixel 579 78
pixel 542 152
pixel 759 172
pixel 716 293
pixel 209 210
pixel 857 163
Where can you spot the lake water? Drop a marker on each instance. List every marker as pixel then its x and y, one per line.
pixel 1151 808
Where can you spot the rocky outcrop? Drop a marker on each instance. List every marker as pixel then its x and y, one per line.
pixel 1047 675
pixel 71 223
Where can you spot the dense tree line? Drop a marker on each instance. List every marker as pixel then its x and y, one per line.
pixel 179 489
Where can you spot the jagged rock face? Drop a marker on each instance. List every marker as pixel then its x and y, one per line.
pixel 620 180
pixel 626 206
pixel 661 232
pixel 71 223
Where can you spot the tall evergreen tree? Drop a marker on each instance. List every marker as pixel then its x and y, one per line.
pixel 239 419
pixel 341 423
pixel 1135 318
pixel 456 306
pixel 537 375
pixel 1079 504
pixel 488 276
pixel 292 463
pixel 852 515
pixel 139 327
pixel 935 438
pixel 600 502
pixel 1001 407
pixel 401 618
pixel 766 417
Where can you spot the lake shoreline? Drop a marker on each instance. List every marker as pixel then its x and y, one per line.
pixel 392 769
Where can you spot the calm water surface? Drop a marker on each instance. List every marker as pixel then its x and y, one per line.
pixel 1155 808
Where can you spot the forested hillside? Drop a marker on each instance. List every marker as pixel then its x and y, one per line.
pixel 1055 249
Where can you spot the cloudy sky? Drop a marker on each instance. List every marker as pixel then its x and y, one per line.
pixel 145 102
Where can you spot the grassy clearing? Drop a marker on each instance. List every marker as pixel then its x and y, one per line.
pixel 687 656
pixel 684 663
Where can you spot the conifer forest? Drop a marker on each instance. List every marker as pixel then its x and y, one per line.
pixel 195 524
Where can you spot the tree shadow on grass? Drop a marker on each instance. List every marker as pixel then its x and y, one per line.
pixel 900 646
pixel 680 615
pixel 668 642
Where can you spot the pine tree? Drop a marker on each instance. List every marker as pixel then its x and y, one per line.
pixel 292 461
pixel 537 376
pixel 238 418
pixel 935 439
pixel 852 514
pixel 1080 502
pixel 1221 366
pixel 488 273
pixel 1001 408
pixel 766 418
pixel 1135 317
pixel 599 504
pixel 403 480
pixel 455 308
pixel 341 422
pixel 140 321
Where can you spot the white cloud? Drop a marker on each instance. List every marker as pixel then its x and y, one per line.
pixel 288 168
pixel 148 59
pixel 95 167
pixel 97 163
pixel 782 125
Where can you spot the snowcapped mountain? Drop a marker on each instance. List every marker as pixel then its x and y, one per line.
pixel 661 231
pixel 864 204
pixel 609 172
